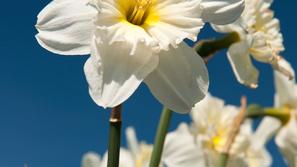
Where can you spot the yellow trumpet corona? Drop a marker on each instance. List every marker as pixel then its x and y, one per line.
pixel 138 12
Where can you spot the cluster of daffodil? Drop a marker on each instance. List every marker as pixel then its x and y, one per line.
pixel 196 144
pixel 135 41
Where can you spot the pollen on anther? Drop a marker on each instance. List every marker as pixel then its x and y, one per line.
pixel 139 11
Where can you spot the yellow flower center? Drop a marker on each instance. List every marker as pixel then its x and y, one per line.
pixel 144 156
pixel 218 139
pixel 138 12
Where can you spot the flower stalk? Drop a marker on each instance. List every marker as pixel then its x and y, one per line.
pixel 207 48
pixel 238 120
pixel 223 159
pixel 115 123
pixel 160 137
pixel 282 113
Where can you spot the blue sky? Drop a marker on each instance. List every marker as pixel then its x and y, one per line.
pixel 47 118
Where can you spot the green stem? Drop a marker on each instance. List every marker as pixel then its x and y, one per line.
pixel 254 111
pixel 223 159
pixel 160 137
pixel 279 113
pixel 206 48
pixel 115 124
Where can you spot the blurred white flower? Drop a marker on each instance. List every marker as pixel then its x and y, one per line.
pixel 260 38
pixel 286 132
pixel 138 154
pixel 201 143
pixel 286 140
pixel 91 159
pixel 131 41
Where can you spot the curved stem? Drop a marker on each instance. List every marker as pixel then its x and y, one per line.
pixel 283 113
pixel 207 48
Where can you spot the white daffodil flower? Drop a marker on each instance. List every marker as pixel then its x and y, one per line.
pixel 138 154
pixel 201 143
pixel 260 38
pixel 286 132
pixel 131 41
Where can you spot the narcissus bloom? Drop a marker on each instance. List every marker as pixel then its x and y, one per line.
pixel 201 143
pixel 286 132
pixel 131 41
pixel 260 38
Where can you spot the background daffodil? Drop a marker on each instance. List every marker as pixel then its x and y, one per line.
pixel 260 38
pixel 204 139
pixel 285 132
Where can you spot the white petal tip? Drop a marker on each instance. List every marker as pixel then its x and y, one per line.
pixel 253 86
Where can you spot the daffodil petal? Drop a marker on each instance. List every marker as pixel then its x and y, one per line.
pixel 180 149
pixel 278 65
pixel 180 80
pixel 264 30
pixel 65 27
pixel 265 131
pixel 132 142
pixel 177 20
pixel 242 66
pixel 286 141
pixel 207 107
pixel 114 74
pixel 91 159
pixel 258 158
pixel 221 11
pixel 286 90
pixel 234 27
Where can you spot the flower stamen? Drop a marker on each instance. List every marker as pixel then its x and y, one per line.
pixel 139 12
